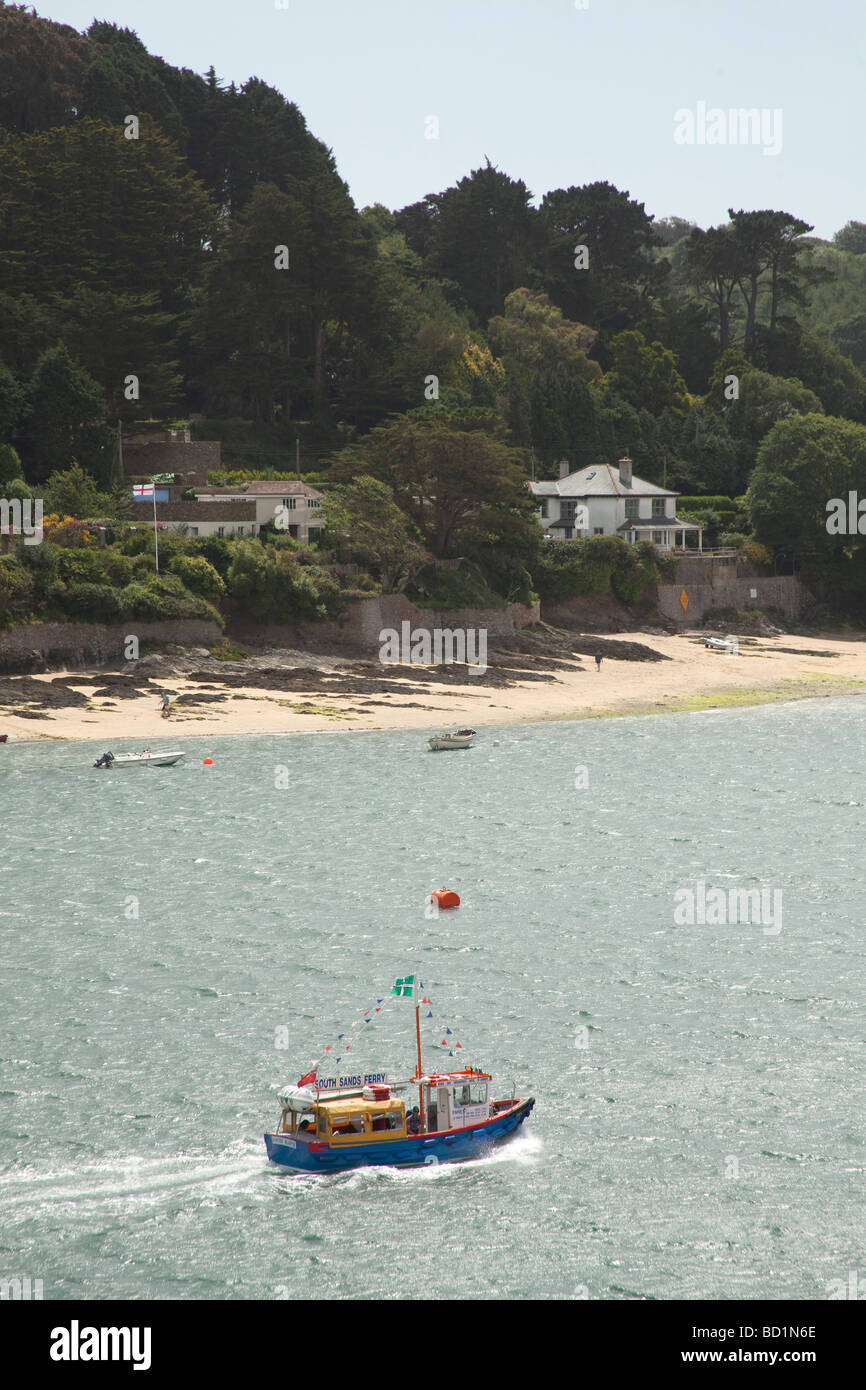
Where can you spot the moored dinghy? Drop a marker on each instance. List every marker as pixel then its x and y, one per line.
pixel 143 759
pixel 330 1124
pixel 460 738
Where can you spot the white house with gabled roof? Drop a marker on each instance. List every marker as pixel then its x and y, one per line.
pixel 294 507
pixel 604 500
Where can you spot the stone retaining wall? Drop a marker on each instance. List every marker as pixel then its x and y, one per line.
pixel 72 646
pixel 359 628
pixel 783 591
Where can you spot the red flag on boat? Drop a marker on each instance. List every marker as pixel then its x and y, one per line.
pixel 308 1078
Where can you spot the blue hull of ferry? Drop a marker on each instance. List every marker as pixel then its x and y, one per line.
pixel 448 1147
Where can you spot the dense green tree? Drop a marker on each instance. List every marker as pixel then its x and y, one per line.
pixel 622 276
pixel 547 371
pixel 41 66
pixel 850 338
pixel 483 239
pixel 851 237
pixel 452 474
pixel 803 463
pixel 363 515
pixel 645 375
pixel 760 256
pixel 713 267
pixel 713 462
pixel 252 323
pixel 72 492
pixel 795 353
pixel 64 420
pixel 766 399
pixel 10 466
pixel 11 402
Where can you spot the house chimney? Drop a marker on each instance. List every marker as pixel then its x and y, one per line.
pixel 625 471
pixel 564 468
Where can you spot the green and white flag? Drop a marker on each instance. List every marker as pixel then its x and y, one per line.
pixel 404 987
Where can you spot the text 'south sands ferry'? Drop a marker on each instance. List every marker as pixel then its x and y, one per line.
pixel 334 1123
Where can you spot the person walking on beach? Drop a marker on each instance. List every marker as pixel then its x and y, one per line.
pixel 598 661
pixel 165 705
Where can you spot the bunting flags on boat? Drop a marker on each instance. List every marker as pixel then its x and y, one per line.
pixel 334 1052
pixel 440 1034
pixel 444 1037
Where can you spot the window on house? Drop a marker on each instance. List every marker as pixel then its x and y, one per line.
pixel 221 530
pixel 193 530
pixel 290 503
pixel 598 530
pixel 543 506
pixel 631 509
pixel 658 506
pixel 313 502
pixel 314 534
pixel 657 537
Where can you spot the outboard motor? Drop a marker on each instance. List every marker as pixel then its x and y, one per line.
pixel 105 761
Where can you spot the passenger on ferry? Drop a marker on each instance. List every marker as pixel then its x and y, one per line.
pixel 413 1124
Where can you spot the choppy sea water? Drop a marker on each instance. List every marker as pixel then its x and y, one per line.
pixel 179 943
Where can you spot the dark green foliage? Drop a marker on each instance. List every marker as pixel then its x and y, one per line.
pixel 565 569
pixel 622 278
pixel 216 551
pixel 273 585
pixel 198 575
pixel 465 587
pixel 17 591
pixel 164 596
pixel 91 602
pixel 61 425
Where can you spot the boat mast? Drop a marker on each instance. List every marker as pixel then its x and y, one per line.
pixel 420 1072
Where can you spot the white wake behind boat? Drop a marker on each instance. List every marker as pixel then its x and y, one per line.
pixel 462 738
pixel 144 759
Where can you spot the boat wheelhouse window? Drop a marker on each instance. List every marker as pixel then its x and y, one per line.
pixel 478 1093
pixel 461 1094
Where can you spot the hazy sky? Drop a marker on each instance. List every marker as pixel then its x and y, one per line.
pixel 550 92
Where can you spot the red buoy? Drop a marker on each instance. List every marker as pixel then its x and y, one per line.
pixel 445 897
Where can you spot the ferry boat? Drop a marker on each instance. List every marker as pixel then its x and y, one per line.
pixel 359 1121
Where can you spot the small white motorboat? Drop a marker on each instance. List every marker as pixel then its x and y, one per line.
pixel 145 758
pixel 461 738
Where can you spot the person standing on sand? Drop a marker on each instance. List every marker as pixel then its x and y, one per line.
pixel 165 704
pixel 598 661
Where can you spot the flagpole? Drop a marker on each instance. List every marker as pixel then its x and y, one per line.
pixel 420 1072
pixel 155 538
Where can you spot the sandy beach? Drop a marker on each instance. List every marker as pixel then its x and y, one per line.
pixel 325 693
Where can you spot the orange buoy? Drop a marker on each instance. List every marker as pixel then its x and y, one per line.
pixel 208 762
pixel 445 897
